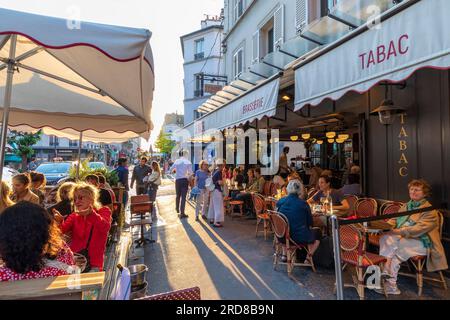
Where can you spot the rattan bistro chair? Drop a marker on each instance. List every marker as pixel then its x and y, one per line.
pixel 390 207
pixel 366 207
pixel 352 201
pixel 260 206
pixel 284 242
pixel 353 253
pixel 419 263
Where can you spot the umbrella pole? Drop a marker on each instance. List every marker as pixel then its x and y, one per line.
pixel 7 101
pixel 79 154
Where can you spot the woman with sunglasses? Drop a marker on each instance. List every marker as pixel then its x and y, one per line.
pixel 88 228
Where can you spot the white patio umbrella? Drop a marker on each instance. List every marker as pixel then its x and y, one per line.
pixel 97 80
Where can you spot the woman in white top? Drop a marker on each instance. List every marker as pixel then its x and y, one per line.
pixel 154 181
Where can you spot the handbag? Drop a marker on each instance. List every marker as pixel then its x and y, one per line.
pixel 85 253
pixel 209 184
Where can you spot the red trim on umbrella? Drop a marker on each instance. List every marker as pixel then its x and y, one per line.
pixel 73 45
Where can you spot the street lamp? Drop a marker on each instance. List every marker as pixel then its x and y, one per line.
pixel 387 112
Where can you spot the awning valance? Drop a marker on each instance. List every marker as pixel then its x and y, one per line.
pixel 255 104
pixel 416 37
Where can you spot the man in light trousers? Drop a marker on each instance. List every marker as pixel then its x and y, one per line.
pixel 183 169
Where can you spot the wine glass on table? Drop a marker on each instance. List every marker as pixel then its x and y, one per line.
pixel 244 185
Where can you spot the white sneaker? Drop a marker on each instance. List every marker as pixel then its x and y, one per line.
pixel 390 290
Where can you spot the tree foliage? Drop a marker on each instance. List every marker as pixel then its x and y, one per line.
pixel 23 143
pixel 164 144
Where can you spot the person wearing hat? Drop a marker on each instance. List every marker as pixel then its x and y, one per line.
pixel 216 214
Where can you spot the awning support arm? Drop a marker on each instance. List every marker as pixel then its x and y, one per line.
pixel 351 25
pixel 288 54
pixel 272 65
pixel 80 142
pixel 259 75
pixel 46 74
pixel 22 57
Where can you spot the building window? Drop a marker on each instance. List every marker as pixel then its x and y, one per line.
pixel 199 49
pixel 54 141
pixel 302 14
pixel 238 63
pixel 270 41
pixel 73 143
pixel 198 85
pixel 238 9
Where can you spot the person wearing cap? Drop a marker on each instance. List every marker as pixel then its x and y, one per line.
pixel 216 214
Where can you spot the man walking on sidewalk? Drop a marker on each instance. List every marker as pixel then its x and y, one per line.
pixel 183 169
pixel 139 173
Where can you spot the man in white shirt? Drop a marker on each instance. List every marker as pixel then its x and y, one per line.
pixel 183 170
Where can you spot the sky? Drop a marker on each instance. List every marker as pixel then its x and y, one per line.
pixel 166 19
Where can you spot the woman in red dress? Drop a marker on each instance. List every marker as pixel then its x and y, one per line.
pixel 31 245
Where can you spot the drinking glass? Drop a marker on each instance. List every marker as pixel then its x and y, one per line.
pixel 244 185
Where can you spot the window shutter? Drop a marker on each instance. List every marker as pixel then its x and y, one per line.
pixel 301 15
pixel 278 26
pixel 255 45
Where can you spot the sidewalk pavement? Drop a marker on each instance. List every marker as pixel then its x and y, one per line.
pixel 231 263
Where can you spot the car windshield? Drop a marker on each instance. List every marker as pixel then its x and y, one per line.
pixel 49 168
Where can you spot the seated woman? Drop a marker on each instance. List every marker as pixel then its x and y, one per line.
pixel 30 255
pixel 64 202
pixel 299 217
pixel 86 225
pixel 21 189
pixel 5 200
pixel 237 178
pixel 37 185
pixel 416 235
pixel 339 203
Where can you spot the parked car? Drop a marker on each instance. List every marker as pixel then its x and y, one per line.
pixel 8 174
pixel 97 165
pixel 54 171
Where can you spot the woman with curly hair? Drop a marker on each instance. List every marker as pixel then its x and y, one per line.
pixel 5 200
pixel 88 228
pixel 21 188
pixel 31 245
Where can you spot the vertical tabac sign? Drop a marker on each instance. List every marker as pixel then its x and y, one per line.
pixel 403 145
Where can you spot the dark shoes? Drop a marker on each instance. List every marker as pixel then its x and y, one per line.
pixel 283 259
pixel 184 216
pixel 197 219
pixel 204 218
